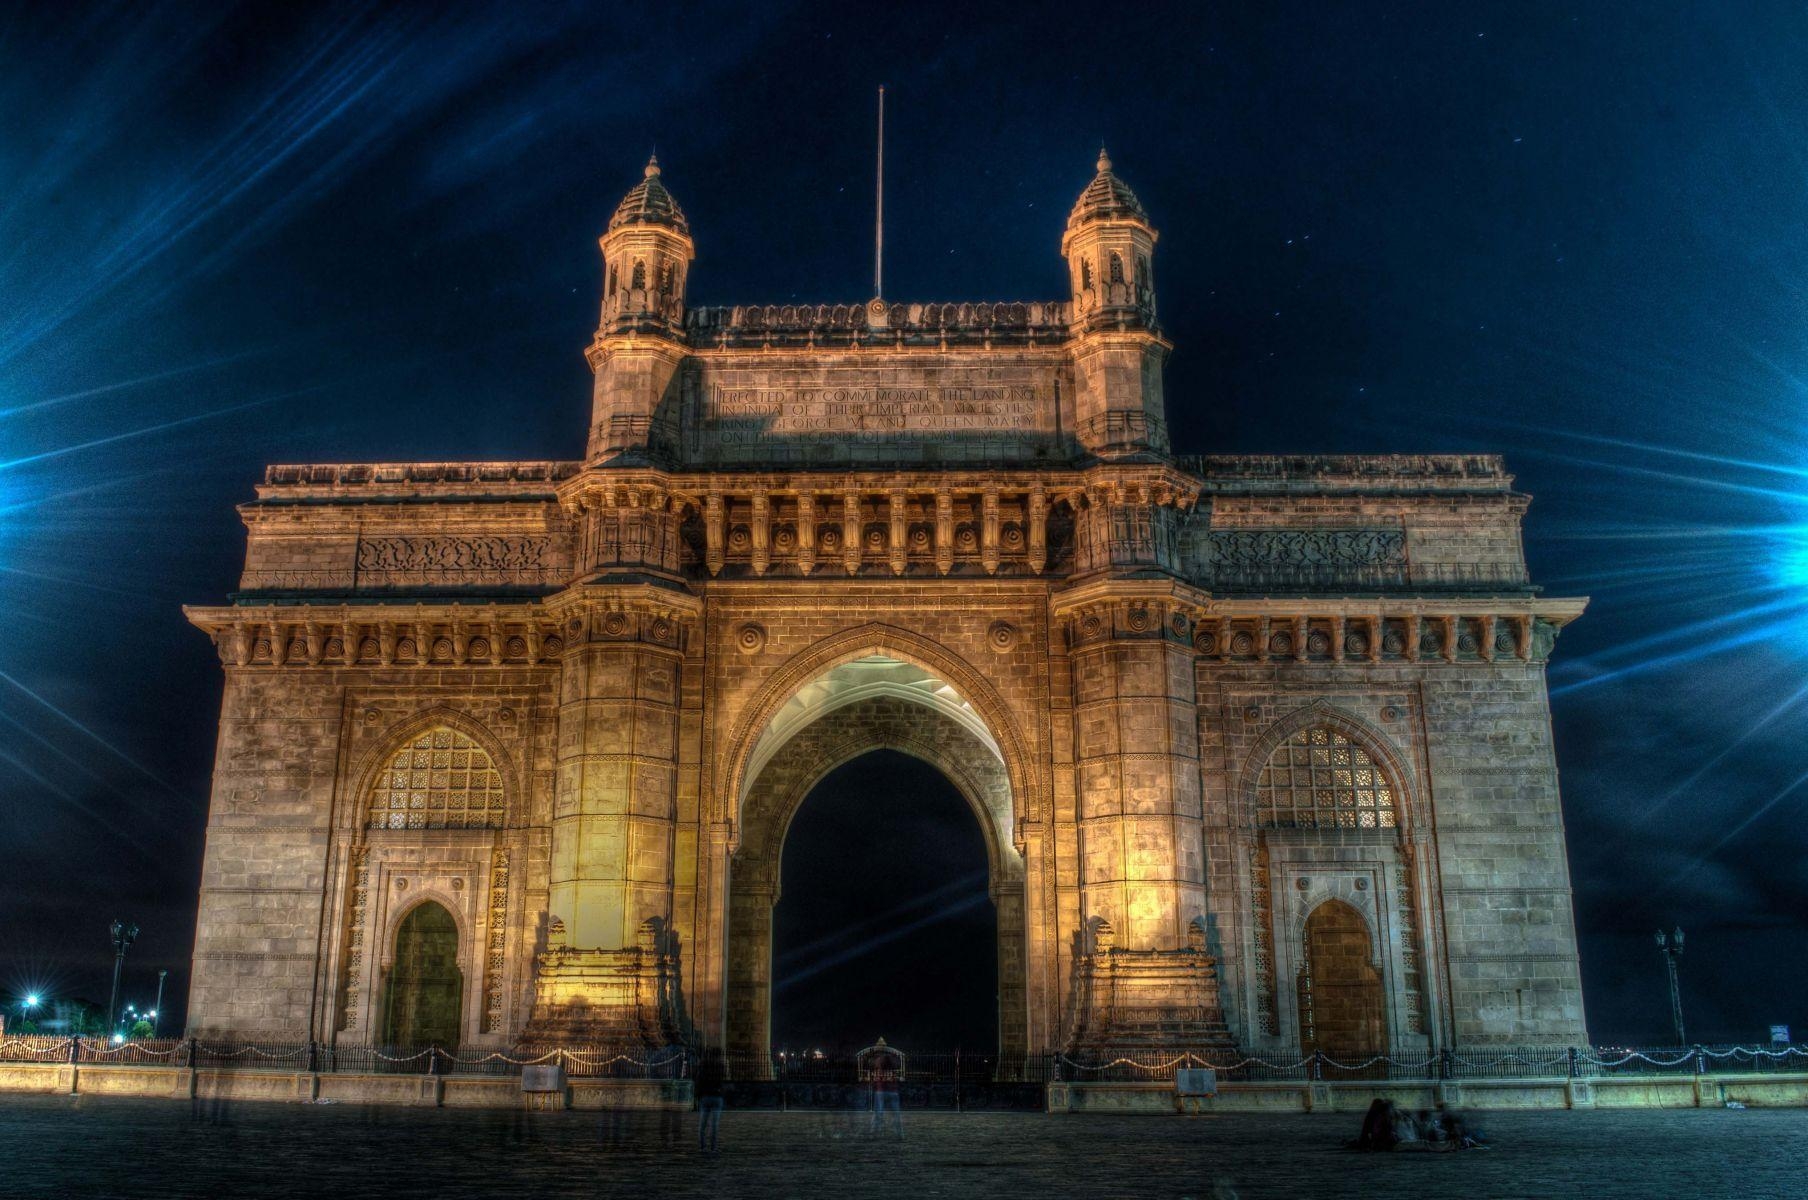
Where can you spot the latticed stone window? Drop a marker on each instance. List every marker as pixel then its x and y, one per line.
pixel 1320 779
pixel 440 780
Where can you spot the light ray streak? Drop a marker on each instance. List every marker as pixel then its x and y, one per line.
pixel 843 935
pixel 89 733
pixel 161 426
pixel 23 769
pixel 869 946
pixel 51 746
pixel 1702 860
pixel 1744 489
pixel 69 581
pixel 1668 660
pixel 124 384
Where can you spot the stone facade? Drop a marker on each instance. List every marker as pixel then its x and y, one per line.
pixel 1260 745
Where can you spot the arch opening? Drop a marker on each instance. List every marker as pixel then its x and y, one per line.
pixel 885 926
pixel 854 706
pixel 424 996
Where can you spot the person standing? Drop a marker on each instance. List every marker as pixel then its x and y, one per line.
pixel 708 1085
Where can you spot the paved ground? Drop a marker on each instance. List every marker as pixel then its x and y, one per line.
pixel 95 1146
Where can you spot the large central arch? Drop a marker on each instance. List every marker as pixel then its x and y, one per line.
pixel 861 699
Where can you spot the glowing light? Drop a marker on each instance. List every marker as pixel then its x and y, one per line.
pixel 31 1001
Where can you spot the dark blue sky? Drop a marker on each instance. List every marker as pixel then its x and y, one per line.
pixel 1570 233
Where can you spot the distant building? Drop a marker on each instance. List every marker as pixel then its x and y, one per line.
pixel 1260 745
pixel 65 1017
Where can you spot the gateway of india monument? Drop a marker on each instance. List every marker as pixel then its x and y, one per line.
pixel 1259 745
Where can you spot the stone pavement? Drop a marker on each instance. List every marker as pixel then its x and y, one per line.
pixel 103 1147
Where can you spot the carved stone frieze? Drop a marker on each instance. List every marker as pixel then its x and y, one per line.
pixel 462 559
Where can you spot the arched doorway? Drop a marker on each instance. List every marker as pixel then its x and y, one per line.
pixel 874 702
pixel 885 927
pixel 424 998
pixel 1340 994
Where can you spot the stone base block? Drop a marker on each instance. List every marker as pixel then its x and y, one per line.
pixel 620 998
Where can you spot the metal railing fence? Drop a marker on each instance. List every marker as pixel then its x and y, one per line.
pixel 785 1073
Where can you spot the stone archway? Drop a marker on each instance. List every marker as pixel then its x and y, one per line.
pixel 1341 1000
pixel 423 999
pixel 870 704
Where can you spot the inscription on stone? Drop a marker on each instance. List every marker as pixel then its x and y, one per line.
pixel 746 416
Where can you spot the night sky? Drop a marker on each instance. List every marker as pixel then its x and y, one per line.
pixel 1573 234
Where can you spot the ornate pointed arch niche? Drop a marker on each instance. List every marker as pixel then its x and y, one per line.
pixel 428 817
pixel 1330 813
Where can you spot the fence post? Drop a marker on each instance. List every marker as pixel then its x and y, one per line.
pixel 1318 1064
pixel 75 1048
pixel 958 1107
pixel 1701 1060
pixel 194 1052
pixel 433 1059
pixel 1572 1062
pixel 313 1057
pixel 1446 1064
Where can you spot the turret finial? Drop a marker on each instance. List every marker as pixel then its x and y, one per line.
pixel 1104 159
pixel 652 166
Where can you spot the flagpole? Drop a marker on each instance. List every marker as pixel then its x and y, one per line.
pixel 879 209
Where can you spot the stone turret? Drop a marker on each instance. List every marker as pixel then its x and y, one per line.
pixel 647 254
pixel 1118 348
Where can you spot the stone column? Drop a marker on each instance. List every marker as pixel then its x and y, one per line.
pixel 944 531
pixel 1142 873
pixel 761 530
pixel 1038 515
pixel 988 531
pixel 900 550
pixel 715 550
pixel 806 532
pixel 1137 747
pixel 613 829
pixel 850 532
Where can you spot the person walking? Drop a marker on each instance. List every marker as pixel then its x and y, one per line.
pixel 883 1078
pixel 708 1085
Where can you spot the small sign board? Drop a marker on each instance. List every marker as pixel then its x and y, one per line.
pixel 543 1077
pixel 1779 1034
pixel 1196 1081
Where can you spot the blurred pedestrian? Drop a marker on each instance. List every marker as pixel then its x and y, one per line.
pixel 883 1076
pixel 708 1085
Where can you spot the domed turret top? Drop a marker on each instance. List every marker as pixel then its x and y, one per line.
pixel 648 203
pixel 1107 196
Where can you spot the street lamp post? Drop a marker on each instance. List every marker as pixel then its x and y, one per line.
pixel 124 933
pixel 1671 948
pixel 157 1008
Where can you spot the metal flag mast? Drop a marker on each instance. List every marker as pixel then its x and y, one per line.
pixel 879 209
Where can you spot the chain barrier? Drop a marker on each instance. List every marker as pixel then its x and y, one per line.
pixel 672 1062
pixel 35 1046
